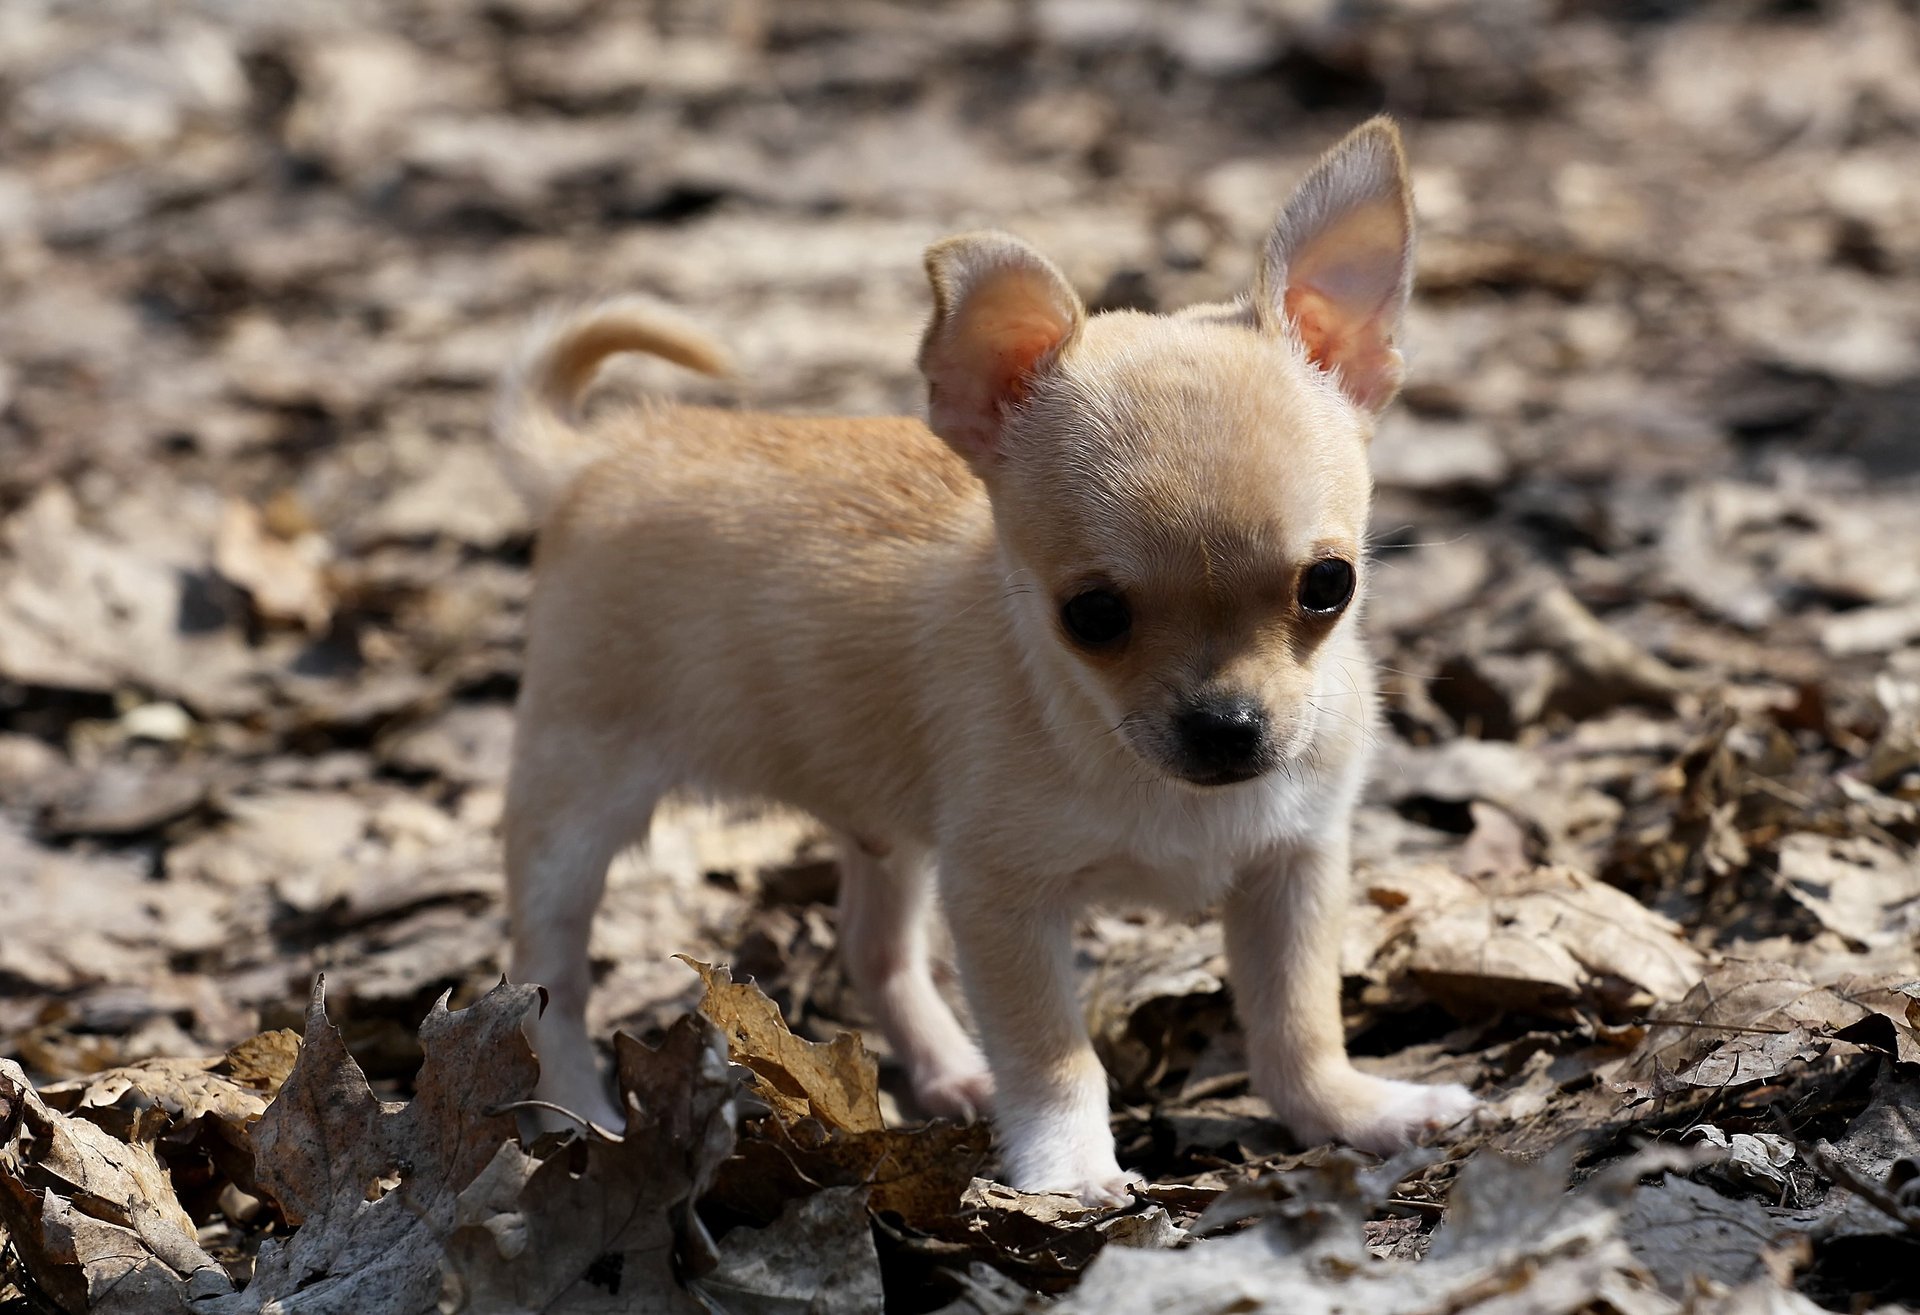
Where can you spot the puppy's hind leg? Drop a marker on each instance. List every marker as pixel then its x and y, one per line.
pixel 573 802
pixel 885 906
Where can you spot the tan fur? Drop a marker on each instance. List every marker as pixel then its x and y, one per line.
pixel 862 618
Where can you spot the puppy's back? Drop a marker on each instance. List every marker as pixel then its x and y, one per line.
pixel 742 589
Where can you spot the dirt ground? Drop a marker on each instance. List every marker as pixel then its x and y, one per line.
pixel 1638 862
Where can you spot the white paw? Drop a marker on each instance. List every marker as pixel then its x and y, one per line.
pixel 1089 1172
pixel 1102 1193
pixel 964 1095
pixel 1101 1189
pixel 1390 1116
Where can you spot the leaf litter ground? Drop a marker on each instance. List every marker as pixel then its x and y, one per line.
pixel 1638 863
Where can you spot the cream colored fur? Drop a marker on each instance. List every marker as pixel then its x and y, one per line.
pixel 863 618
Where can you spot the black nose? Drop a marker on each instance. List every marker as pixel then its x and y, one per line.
pixel 1223 738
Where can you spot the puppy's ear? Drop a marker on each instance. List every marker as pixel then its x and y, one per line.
pixel 1338 265
pixel 1001 315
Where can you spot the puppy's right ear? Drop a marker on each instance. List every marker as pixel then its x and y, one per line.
pixel 1002 313
pixel 1338 266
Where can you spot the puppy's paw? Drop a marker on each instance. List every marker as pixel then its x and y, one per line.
pixel 1100 1189
pixel 1384 1116
pixel 1088 1172
pixel 1105 1193
pixel 963 1094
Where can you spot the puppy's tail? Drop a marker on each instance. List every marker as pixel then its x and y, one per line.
pixel 535 417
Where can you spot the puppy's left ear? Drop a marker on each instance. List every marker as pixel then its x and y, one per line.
pixel 1338 265
pixel 1002 314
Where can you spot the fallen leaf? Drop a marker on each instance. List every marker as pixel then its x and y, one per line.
pixel 824 1126
pixel 1157 987
pixel 817 1258
pixel 1746 1021
pixel 1756 1160
pixel 1683 1232
pixel 284 577
pixel 603 1224
pixel 94 1218
pixel 370 1186
pixel 1544 940
pixel 1861 888
pixel 837 1084
pixel 1515 1230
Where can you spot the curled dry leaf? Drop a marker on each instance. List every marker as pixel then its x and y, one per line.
pixel 837 1084
pixel 1546 940
pixel 824 1126
pixel 158 1097
pixel 1048 1239
pixel 1757 1160
pixel 1746 1021
pixel 94 1218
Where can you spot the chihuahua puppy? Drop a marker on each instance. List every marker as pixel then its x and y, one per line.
pixel 1088 635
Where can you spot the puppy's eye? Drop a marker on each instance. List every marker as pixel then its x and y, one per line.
pixel 1096 617
pixel 1326 586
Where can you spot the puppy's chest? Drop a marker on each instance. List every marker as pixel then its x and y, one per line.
pixel 1184 851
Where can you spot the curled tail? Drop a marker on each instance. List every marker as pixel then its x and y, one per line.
pixel 534 417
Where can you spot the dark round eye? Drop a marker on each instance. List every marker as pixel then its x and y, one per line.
pixel 1326 586
pixel 1096 617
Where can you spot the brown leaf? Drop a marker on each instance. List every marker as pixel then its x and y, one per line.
pixel 1747 1021
pixel 597 1225
pixel 818 1256
pixel 1158 985
pixel 1549 939
pixel 94 1219
pixel 1858 887
pixel 837 1083
pixel 283 577
pixel 918 1173
pixel 330 1154
pixel 210 1105
pixel 154 1097
pixel 826 1128
pixel 265 1060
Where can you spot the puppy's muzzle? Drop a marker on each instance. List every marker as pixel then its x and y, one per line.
pixel 1223 738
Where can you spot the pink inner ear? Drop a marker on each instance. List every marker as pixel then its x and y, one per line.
pixel 1017 352
pixel 1356 350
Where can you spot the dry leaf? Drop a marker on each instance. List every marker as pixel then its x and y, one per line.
pixel 94 1218
pixel 1543 940
pixel 283 577
pixel 371 1186
pixel 1858 887
pixel 838 1084
pixel 826 1128
pixel 1747 1021
pixel 602 1225
pixel 1519 1236
pixel 817 1258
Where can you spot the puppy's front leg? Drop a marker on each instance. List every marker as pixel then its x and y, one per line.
pixel 1050 1103
pixel 1283 925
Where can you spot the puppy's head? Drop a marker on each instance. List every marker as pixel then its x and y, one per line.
pixel 1186 496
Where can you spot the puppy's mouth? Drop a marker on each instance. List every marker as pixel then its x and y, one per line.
pixel 1220 776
